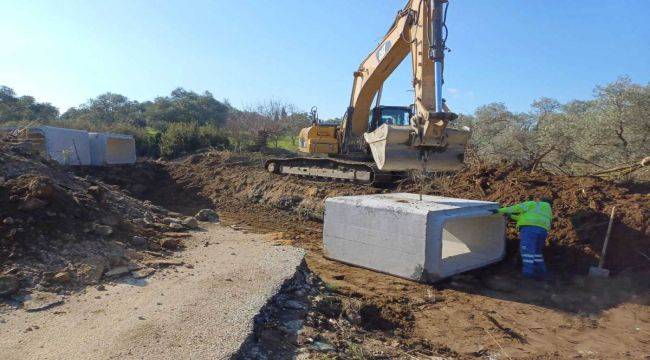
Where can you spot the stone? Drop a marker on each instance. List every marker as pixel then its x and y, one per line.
pixel 170 244
pixel 207 215
pixel 322 346
pixel 90 273
pixel 110 220
pixel 133 254
pixel 8 221
pixel 170 220
pixel 117 271
pixel 294 305
pixel 162 262
pixel 101 288
pixel 41 300
pixel 177 235
pixel 31 204
pixel 62 277
pixel 138 240
pixel 142 273
pixel 134 266
pixel 9 284
pixel 329 306
pixel 176 226
pixel 138 189
pixel 102 230
pixel 190 222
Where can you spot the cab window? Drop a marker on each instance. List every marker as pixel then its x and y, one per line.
pixel 394 117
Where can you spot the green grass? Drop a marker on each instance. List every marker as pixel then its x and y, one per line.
pixel 286 143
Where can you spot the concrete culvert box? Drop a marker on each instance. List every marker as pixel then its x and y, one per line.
pixel 424 240
pixel 111 149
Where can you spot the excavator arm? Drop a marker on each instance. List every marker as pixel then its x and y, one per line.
pixel 418 30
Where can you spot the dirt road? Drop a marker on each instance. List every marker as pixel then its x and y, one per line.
pixel 202 310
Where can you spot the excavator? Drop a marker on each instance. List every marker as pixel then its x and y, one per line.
pixel 378 145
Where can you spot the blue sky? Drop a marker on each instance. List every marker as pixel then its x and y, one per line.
pixel 304 52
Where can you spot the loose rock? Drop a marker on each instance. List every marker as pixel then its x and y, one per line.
pixel 110 220
pixel 118 271
pixel 295 305
pixel 162 262
pixel 170 220
pixel 62 277
pixel 90 273
pixel 176 226
pixel 102 230
pixel 41 301
pixel 138 241
pixel 190 222
pixel 170 244
pixel 142 273
pixel 208 215
pixel 31 204
pixel 9 284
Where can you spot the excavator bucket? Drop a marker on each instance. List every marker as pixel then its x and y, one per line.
pixel 391 149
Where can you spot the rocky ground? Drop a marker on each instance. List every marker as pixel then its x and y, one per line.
pixel 60 232
pixel 203 308
pixel 490 313
pixel 330 310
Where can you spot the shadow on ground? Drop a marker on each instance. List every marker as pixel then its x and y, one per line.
pixel 151 181
pixel 577 294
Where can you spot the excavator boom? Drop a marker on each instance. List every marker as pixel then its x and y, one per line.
pixel 426 143
pixel 391 142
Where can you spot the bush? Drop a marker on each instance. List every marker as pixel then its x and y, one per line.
pixel 180 138
pixel 212 136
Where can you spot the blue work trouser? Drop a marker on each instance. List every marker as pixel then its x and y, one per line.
pixel 532 242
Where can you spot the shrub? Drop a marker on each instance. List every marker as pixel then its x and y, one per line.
pixel 212 136
pixel 180 138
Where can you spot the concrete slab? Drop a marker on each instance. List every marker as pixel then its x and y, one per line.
pixel 424 240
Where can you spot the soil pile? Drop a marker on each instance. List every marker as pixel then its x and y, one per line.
pixel 360 313
pixel 581 208
pixel 59 231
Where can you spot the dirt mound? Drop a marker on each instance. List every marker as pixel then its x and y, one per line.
pixel 360 312
pixel 58 230
pixel 581 208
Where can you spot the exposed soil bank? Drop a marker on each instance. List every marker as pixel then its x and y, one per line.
pixel 491 312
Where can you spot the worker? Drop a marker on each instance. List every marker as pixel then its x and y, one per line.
pixel 534 222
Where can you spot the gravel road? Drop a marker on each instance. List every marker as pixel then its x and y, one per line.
pixel 204 312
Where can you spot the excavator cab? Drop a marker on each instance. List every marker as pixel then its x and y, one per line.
pixel 389 115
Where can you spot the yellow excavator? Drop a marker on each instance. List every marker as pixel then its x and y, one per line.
pixel 374 145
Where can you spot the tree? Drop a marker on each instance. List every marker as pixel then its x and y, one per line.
pixel 24 108
pixel 186 106
pixel 107 109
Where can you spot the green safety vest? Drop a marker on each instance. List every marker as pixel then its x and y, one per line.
pixel 530 213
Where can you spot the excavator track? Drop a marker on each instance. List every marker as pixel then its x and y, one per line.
pixel 333 169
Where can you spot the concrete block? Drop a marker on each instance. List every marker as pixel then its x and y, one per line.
pixel 424 240
pixel 111 149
